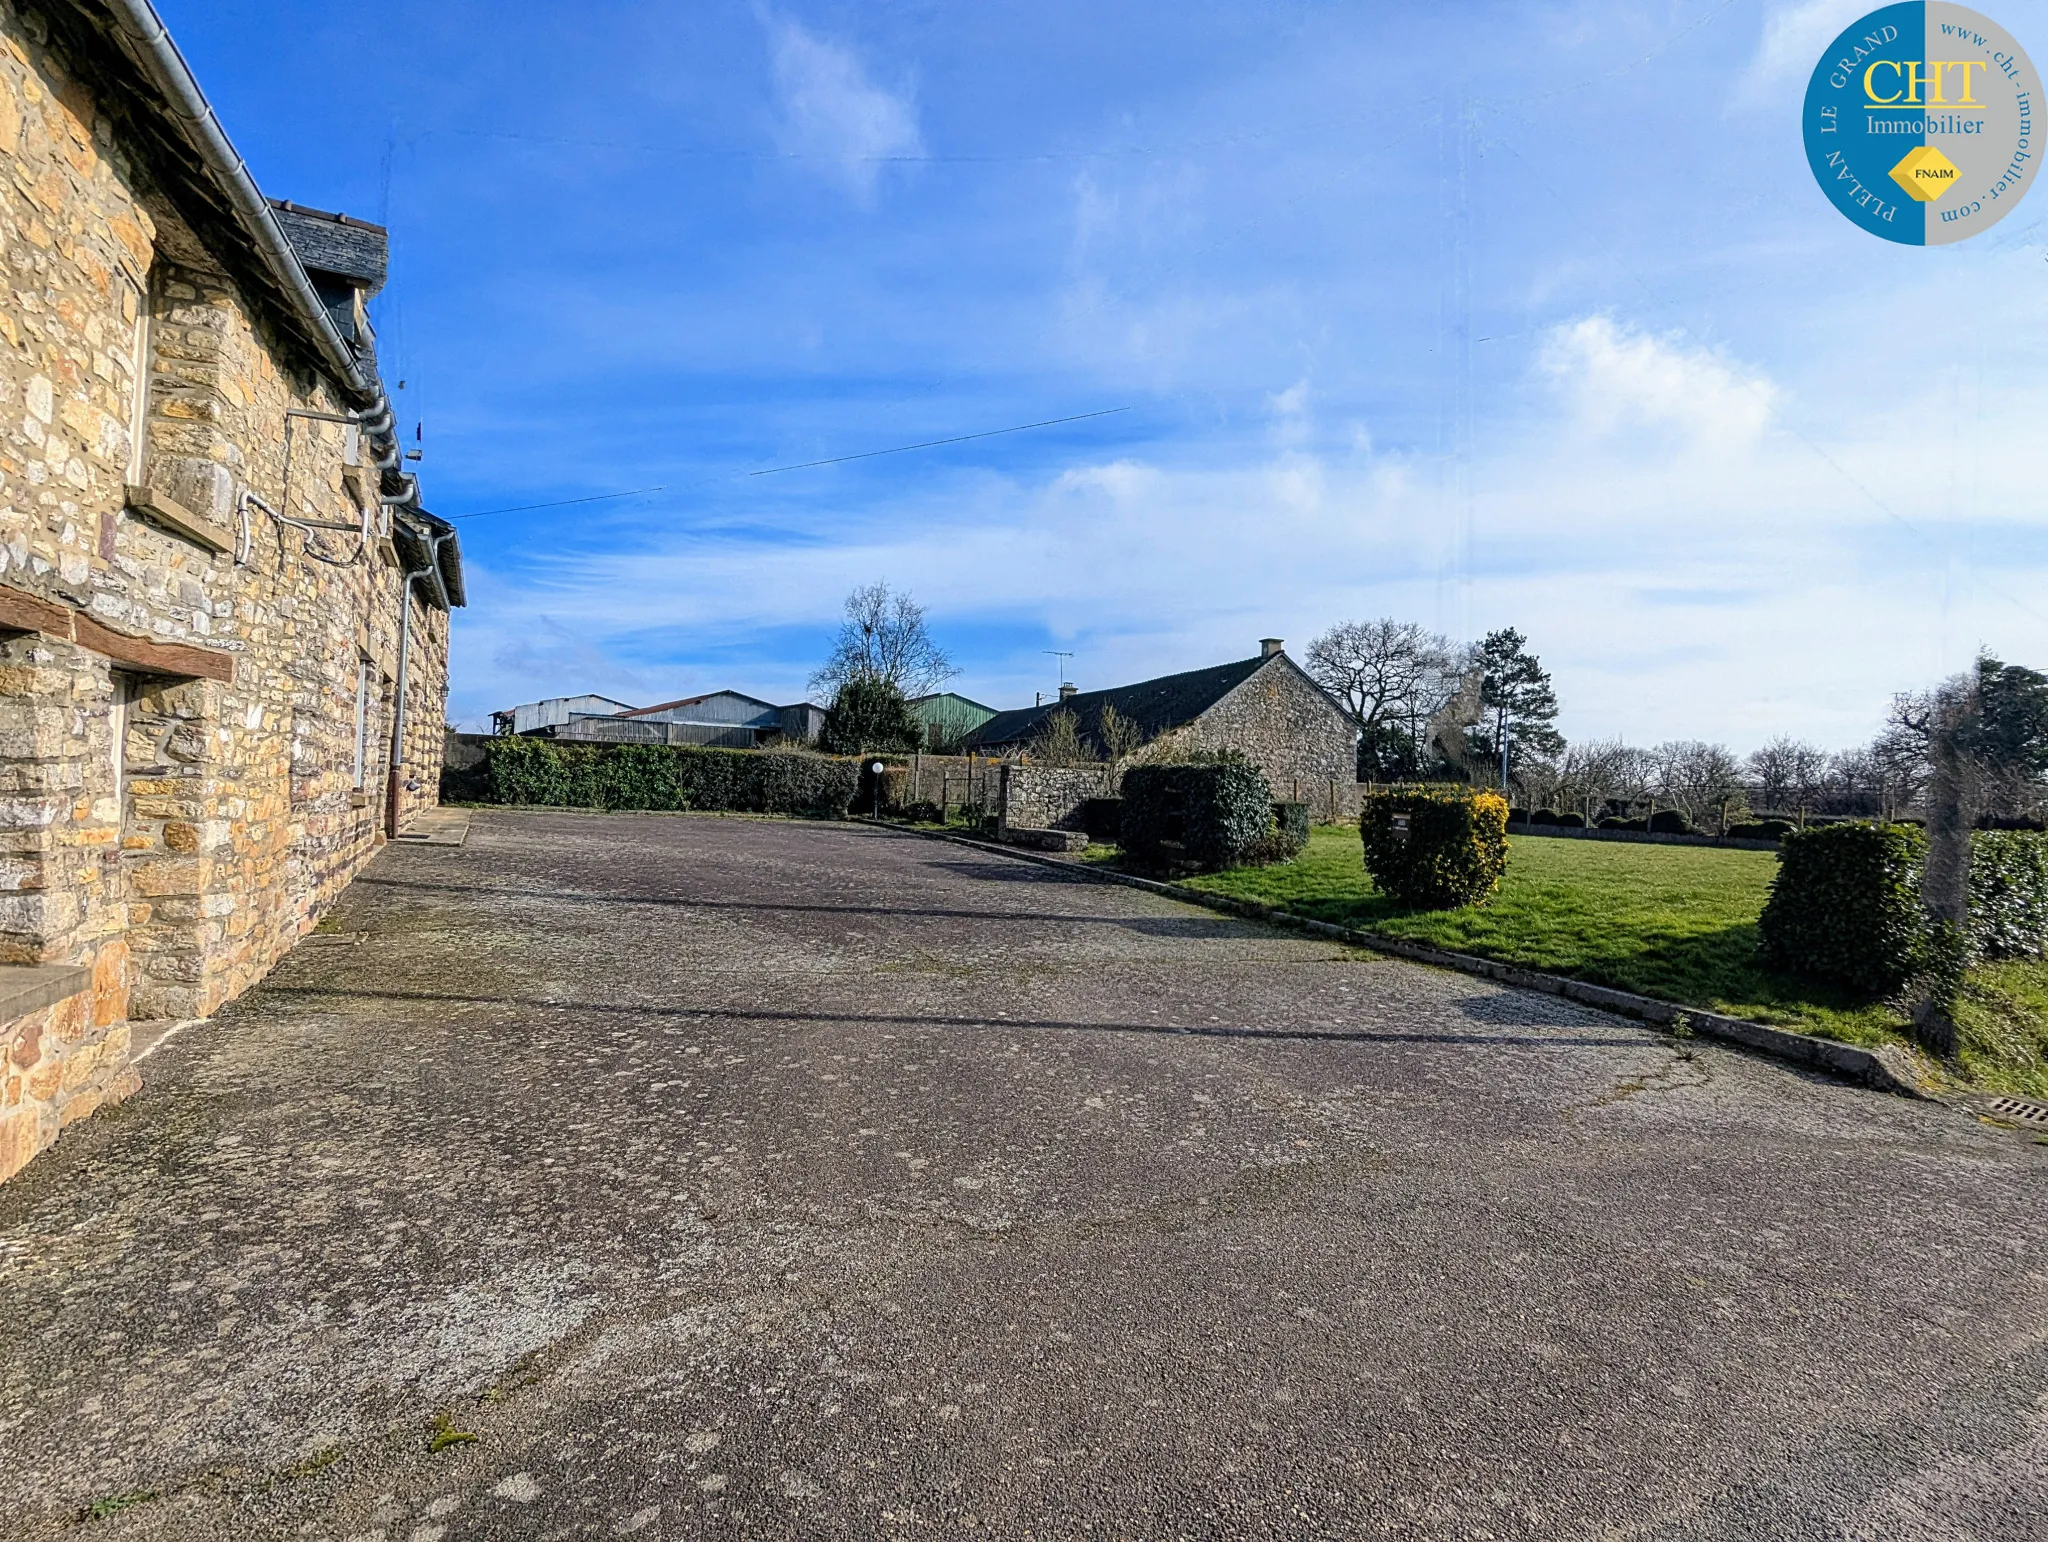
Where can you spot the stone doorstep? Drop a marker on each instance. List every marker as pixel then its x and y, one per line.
pixel 1045 840
pixel 146 1037
pixel 1888 1069
pixel 26 988
pixel 438 827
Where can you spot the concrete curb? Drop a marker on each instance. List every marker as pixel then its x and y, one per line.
pixel 1873 1068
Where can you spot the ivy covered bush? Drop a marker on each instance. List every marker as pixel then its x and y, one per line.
pixel 664 777
pixel 1845 904
pixel 1199 818
pixel 1436 850
pixel 2009 894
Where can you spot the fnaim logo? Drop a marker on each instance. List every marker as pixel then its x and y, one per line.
pixel 1920 123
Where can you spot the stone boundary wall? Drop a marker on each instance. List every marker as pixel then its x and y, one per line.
pixel 64 1057
pixel 1049 797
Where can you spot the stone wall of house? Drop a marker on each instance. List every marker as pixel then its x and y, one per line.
pixel 60 1061
pixel 1281 721
pixel 174 827
pixel 1048 797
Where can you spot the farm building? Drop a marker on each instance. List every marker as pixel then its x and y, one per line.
pixel 555 712
pixel 725 719
pixel 947 718
pixel 1265 708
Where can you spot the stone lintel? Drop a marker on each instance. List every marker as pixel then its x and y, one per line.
pixel 22 612
pixel 26 988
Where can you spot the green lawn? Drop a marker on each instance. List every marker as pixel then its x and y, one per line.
pixel 1674 922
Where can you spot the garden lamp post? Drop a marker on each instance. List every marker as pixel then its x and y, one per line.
pixel 875 770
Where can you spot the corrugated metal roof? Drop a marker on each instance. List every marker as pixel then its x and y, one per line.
pixel 698 701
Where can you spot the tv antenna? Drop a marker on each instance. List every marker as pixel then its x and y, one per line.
pixel 1062 656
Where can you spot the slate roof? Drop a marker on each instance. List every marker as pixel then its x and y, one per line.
pixel 335 243
pixel 1156 706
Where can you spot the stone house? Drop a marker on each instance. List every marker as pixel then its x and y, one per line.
pixel 223 611
pixel 1265 708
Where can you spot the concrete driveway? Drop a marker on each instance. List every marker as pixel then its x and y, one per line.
pixel 691 1177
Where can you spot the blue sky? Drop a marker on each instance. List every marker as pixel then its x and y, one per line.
pixel 1522 314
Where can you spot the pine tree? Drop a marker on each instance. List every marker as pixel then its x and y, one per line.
pixel 1516 696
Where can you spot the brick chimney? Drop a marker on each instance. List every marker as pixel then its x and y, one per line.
pixel 1268 646
pixel 1067 692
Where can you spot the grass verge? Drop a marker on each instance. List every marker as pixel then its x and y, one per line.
pixel 1674 922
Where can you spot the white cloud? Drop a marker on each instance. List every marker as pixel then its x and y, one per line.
pixel 833 112
pixel 1617 377
pixel 1794 36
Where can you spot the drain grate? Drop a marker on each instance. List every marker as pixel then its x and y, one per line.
pixel 2019 1110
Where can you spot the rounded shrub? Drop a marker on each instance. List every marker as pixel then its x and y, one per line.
pixel 1571 821
pixel 1544 816
pixel 1668 821
pixel 1435 850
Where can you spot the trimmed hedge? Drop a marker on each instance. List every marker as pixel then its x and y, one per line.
pixel 1291 820
pixel 1452 851
pixel 1762 830
pixel 2009 893
pixel 1571 821
pixel 663 777
pixel 1102 819
pixel 1845 904
pixel 1201 817
pixel 1669 821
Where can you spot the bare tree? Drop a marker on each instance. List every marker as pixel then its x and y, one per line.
pixel 1118 736
pixel 1786 773
pixel 1379 669
pixel 1703 781
pixel 1058 741
pixel 884 638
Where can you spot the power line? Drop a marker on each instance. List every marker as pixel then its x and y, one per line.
pixel 559 503
pixel 928 444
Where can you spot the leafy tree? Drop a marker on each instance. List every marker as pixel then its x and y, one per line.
pixel 1515 699
pixel 869 716
pixel 884 637
pixel 2009 733
pixel 1387 752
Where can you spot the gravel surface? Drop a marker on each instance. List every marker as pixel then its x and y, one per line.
pixel 681 1177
